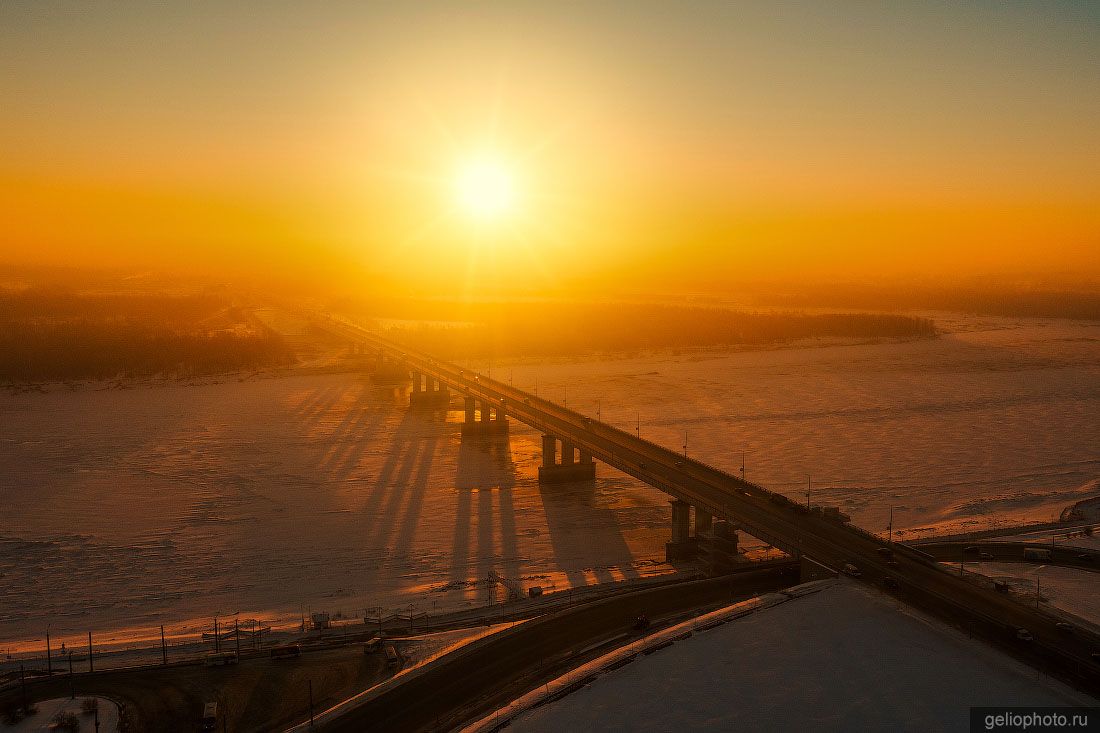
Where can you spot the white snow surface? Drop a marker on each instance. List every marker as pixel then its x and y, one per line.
pixel 1069 589
pixel 41 722
pixel 843 659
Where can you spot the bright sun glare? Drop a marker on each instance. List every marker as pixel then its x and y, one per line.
pixel 485 189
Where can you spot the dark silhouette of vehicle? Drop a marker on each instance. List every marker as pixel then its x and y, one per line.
pixel 641 623
pixel 286 651
pixel 210 716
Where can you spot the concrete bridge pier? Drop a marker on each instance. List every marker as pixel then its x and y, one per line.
pixel 704 521
pixel 388 370
pixel 682 545
pixel 428 392
pixel 480 420
pixel 553 471
pixel 717 546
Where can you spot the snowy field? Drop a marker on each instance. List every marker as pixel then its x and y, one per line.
pixel 1067 589
pixel 121 509
pixel 41 721
pixel 843 659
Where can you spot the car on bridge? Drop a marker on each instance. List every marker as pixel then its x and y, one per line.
pixel 851 570
pixel 1024 635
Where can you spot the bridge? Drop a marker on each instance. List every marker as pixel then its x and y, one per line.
pixel 573 442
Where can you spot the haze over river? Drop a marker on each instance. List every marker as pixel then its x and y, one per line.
pixel 128 508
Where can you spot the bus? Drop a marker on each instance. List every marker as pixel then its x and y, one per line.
pixel 1034 553
pixel 219 659
pixel 286 651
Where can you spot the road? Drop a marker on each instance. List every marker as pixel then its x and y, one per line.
pixel 455 690
pixel 1069 557
pixel 773 518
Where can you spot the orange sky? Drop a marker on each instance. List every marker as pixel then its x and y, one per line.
pixel 647 145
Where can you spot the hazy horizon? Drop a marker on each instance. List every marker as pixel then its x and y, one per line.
pixel 646 148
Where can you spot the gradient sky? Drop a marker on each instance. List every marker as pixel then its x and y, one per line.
pixel 653 143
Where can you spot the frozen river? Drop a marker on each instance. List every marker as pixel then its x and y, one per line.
pixel 127 508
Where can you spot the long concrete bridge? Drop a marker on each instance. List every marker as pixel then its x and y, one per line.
pixel 572 442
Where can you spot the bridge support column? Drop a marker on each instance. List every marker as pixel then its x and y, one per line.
pixel 479 417
pixel 703 521
pixel 553 471
pixel 428 392
pixel 717 547
pixel 681 547
pixel 389 371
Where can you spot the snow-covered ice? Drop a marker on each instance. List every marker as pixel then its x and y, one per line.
pixel 121 509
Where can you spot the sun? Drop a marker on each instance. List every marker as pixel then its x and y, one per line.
pixel 485 188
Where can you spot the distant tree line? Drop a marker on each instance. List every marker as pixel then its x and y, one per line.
pixel 66 336
pixel 161 309
pixel 559 329
pixel 1006 301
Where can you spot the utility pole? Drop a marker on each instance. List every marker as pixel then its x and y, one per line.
pixel 890 526
pixel 72 682
pixel 311 703
pixel 163 647
pixel 685 444
pixel 237 636
pixel 91 665
pixel 639 427
pixel 807 490
pixel 49 660
pixel 742 465
pixel 597 410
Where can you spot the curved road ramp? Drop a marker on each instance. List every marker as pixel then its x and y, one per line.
pixel 462 685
